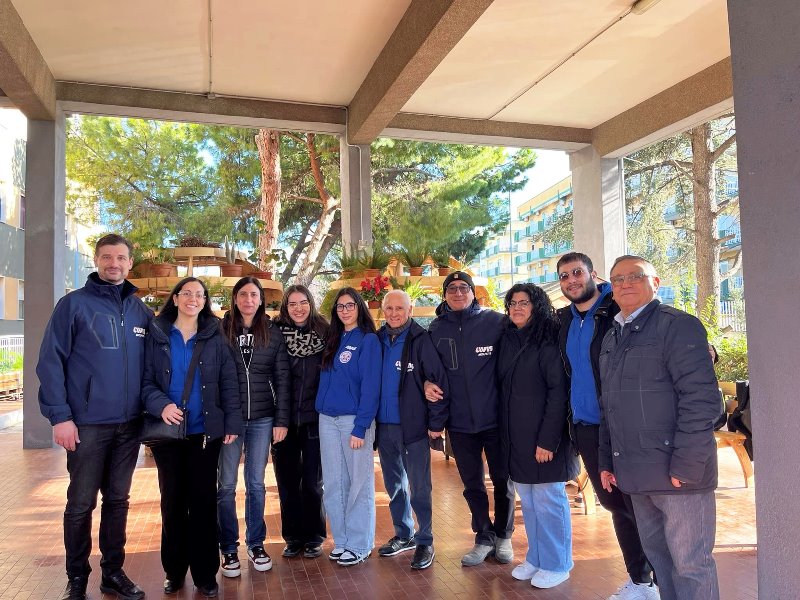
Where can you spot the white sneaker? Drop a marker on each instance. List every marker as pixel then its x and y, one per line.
pixel 636 591
pixel 548 579
pixel 524 571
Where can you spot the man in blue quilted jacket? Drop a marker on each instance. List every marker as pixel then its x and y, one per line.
pixel 90 371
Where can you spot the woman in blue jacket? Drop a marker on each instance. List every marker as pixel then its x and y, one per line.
pixel 187 469
pixel 347 401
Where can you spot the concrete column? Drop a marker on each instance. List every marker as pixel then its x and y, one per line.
pixel 45 254
pixel 598 207
pixel 765 53
pixel 356 181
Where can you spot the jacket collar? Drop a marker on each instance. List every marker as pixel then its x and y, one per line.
pixel 102 288
pixel 161 327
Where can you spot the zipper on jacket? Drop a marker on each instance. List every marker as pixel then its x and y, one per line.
pixel 124 351
pixel 247 375
pixel 272 389
pixel 302 393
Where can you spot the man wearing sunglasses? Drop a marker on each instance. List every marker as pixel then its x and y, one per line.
pixel 659 403
pixel 583 325
pixel 466 337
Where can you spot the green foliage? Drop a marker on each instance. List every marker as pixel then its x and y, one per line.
pixel 377 256
pixel 414 289
pixel 561 231
pixel 495 300
pixel 732 351
pixel 11 362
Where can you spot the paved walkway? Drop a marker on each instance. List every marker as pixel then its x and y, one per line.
pixel 32 555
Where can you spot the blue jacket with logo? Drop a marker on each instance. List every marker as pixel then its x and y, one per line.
pixel 92 355
pixel 352 384
pixel 466 341
pixel 419 362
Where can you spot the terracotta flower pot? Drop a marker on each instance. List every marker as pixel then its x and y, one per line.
pixel 374 303
pixel 415 271
pixel 444 271
pixel 230 270
pixel 370 273
pixel 261 274
pixel 160 270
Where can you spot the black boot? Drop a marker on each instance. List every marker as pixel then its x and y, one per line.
pixel 121 586
pixel 76 588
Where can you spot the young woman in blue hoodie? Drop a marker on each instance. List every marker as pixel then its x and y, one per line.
pixel 347 402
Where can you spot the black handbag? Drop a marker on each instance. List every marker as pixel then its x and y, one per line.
pixel 154 430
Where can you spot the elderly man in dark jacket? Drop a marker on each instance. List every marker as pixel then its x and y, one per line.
pixel 405 420
pixel 466 337
pixel 659 403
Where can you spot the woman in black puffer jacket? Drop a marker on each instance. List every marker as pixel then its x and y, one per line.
pixel 298 466
pixel 263 365
pixel 533 417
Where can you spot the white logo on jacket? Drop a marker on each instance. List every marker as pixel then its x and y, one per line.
pixel 399 365
pixel 139 331
pixel 484 350
pixel 345 357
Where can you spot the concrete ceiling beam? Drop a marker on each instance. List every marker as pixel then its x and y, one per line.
pixel 25 77
pixel 694 100
pixel 425 35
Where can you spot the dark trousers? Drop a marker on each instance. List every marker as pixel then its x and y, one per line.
pixel 298 472
pixel 187 478
pixel 587 440
pixel 406 472
pixel 102 462
pixel 468 449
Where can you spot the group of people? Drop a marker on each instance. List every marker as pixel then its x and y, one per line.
pixel 616 378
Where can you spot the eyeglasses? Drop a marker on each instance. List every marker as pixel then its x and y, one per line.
pixel 298 304
pixel 458 289
pixel 187 295
pixel 564 275
pixel 346 307
pixel 520 303
pixel 618 280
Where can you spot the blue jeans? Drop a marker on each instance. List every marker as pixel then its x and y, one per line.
pixel 102 462
pixel 403 466
pixel 349 484
pixel 677 532
pixel 545 510
pixel 254 442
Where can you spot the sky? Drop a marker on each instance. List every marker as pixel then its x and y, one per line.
pixel 551 167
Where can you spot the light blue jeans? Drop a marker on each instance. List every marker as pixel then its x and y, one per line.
pixel 545 510
pixel 254 442
pixel 349 484
pixel 677 532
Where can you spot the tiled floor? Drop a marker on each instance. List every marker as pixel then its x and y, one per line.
pixel 32 496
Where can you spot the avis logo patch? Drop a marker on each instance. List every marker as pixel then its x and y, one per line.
pixel 484 350
pixel 139 331
pixel 345 357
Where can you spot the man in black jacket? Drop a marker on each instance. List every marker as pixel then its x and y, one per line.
pixel 90 374
pixel 583 325
pixel 659 404
pixel 405 420
pixel 466 337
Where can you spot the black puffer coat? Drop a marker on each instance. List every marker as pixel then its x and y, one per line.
pixel 221 411
pixel 305 360
pixel 533 408
pixel 264 385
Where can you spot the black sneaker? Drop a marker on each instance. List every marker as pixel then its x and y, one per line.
pixel 292 549
pixel 260 559
pixel 423 557
pixel 119 585
pixel 231 567
pixel 396 545
pixel 350 558
pixel 312 550
pixel 76 589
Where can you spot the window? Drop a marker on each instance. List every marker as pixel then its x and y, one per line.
pixel 21 297
pixel 22 211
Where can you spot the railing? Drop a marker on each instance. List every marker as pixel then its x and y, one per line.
pixel 731 314
pixel 10 344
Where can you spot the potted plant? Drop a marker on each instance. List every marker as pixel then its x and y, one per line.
pixel 161 265
pixel 374 289
pixel 441 256
pixel 350 263
pixel 414 255
pixel 231 268
pixel 376 259
pixel 268 263
pixel 414 289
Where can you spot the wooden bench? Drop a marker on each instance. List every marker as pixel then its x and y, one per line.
pixel 734 439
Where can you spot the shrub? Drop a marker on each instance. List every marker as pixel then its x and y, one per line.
pixel 11 362
pixel 732 365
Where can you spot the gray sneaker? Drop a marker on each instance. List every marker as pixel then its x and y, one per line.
pixel 477 555
pixel 503 552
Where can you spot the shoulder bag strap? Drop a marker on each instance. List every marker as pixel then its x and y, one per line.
pixel 187 384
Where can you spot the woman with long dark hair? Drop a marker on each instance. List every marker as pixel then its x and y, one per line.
pixel 533 418
pixel 347 402
pixel 187 469
pixel 263 367
pixel 297 460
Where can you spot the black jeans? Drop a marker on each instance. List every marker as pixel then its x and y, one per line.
pixel 187 478
pixel 468 449
pixel 102 462
pixel 298 472
pixel 587 440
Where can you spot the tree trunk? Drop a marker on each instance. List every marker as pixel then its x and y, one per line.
pixel 706 240
pixel 308 267
pixel 296 252
pixel 269 210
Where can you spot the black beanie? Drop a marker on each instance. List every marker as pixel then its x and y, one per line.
pixel 458 276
